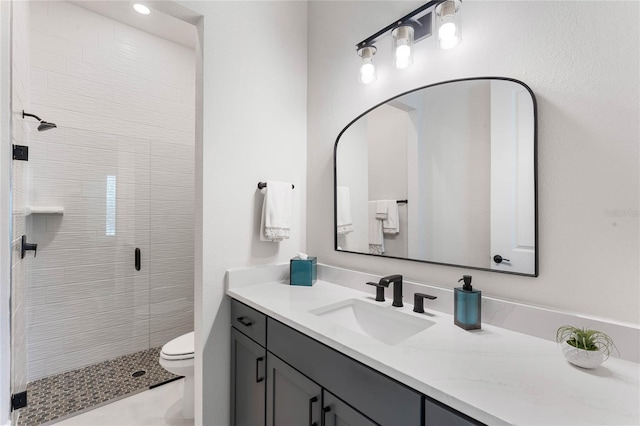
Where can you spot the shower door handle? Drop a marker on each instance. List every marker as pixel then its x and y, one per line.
pixel 137 259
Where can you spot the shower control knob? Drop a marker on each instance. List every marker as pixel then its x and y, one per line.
pixel 25 246
pixel 499 259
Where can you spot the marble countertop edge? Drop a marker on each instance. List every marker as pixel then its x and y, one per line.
pixel 462 389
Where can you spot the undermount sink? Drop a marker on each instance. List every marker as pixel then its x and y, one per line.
pixel 383 323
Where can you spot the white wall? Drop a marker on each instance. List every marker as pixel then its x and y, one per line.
pixel 254 128
pixel 581 60
pixel 124 103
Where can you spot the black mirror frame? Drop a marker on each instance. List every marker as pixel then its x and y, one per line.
pixel 535 179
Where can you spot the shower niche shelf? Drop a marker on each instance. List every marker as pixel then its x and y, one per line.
pixel 29 210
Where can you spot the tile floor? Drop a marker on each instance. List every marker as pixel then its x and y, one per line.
pixel 159 406
pixel 58 396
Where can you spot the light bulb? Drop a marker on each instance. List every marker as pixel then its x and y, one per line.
pixel 367 78
pixel 403 55
pixel 367 69
pixel 367 72
pixel 403 51
pixel 448 21
pixel 403 43
pixel 142 9
pixel 447 31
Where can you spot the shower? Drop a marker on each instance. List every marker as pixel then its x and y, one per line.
pixel 44 125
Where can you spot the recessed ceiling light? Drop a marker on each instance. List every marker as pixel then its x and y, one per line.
pixel 142 9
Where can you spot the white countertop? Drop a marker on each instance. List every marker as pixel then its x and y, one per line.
pixel 494 375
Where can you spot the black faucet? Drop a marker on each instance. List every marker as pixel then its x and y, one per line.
pixel 379 291
pixel 397 288
pixel 418 301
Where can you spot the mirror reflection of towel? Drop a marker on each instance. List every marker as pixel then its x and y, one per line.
pixel 376 240
pixel 391 225
pixel 382 209
pixel 345 224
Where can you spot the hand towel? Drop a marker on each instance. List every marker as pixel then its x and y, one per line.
pixel 376 239
pixel 345 224
pixel 391 225
pixel 276 211
pixel 381 209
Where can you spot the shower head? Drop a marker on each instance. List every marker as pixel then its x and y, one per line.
pixel 44 125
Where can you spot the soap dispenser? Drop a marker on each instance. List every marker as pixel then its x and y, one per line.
pixel 467 305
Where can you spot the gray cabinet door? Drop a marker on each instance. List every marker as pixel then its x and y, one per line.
pixel 437 414
pixel 248 360
pixel 361 387
pixel 336 412
pixel 292 399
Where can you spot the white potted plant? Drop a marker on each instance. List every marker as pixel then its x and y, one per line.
pixel 583 347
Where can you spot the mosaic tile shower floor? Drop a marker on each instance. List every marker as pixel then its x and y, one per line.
pixel 59 396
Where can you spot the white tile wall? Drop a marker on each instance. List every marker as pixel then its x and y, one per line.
pixel 124 103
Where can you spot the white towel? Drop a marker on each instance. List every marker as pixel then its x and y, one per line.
pixel 391 225
pixel 376 239
pixel 276 211
pixel 381 209
pixel 345 224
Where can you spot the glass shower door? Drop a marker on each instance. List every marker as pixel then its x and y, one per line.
pixel 89 304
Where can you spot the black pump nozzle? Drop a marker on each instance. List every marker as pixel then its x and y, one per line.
pixel 467 282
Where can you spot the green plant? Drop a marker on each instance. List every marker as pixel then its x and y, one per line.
pixel 583 338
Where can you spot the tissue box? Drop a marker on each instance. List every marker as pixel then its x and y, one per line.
pixel 303 271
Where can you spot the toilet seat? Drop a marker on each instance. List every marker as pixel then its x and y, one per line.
pixel 182 347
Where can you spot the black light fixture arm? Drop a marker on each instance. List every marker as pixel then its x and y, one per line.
pixel 371 40
pixel 26 114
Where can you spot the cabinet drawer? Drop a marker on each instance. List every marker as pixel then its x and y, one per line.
pixel 384 400
pixel 249 321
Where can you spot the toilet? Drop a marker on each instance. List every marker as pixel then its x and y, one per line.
pixel 177 357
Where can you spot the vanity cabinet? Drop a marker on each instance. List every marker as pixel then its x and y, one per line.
pixel 247 381
pixel 281 377
pixel 248 365
pixel 292 399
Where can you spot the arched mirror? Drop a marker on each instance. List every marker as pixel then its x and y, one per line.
pixel 444 174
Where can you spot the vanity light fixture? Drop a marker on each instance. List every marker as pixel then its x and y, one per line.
pixel 411 29
pixel 367 68
pixel 141 9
